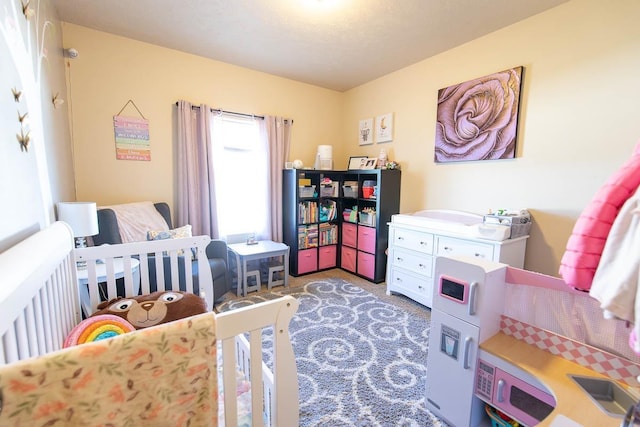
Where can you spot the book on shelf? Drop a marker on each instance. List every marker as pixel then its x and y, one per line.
pixel 328 234
pixel 307 236
pixel 307 212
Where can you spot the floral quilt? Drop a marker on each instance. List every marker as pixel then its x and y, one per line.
pixel 160 376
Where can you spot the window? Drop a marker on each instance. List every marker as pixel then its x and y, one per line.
pixel 241 171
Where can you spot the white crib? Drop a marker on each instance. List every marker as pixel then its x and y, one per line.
pixel 40 302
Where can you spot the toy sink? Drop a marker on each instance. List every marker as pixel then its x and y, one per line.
pixel 606 394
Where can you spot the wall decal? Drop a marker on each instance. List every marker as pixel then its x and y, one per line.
pixel 57 101
pixel 478 119
pixel 16 94
pixel 23 139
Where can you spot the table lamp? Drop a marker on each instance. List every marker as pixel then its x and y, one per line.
pixel 82 217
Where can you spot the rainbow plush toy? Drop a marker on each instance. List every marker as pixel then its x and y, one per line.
pixel 97 328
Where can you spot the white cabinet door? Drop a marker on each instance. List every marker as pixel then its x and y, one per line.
pixel 451 364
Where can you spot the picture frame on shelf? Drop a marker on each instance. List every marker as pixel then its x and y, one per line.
pixel 355 162
pixel 369 163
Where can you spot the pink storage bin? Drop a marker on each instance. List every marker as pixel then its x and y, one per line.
pixel 366 264
pixel 367 239
pixel 349 234
pixel 327 257
pixel 307 260
pixel 348 261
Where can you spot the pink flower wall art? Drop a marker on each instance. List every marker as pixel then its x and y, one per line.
pixel 478 119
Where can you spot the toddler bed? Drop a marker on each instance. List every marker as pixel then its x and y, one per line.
pixel 170 374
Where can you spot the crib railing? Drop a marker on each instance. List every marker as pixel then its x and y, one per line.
pixel 138 268
pixel 276 399
pixel 37 274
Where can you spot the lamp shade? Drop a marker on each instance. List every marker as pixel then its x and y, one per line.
pixel 82 217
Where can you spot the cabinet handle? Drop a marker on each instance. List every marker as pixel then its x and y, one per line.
pixel 399 259
pixel 421 265
pixel 423 243
pixel 400 238
pixel 447 248
pixel 398 279
pixel 467 349
pixel 479 255
pixel 471 308
pixel 500 390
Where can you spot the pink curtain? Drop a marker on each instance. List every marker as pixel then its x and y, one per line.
pixel 195 186
pixel 277 131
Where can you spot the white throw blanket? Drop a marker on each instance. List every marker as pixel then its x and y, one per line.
pixel 135 219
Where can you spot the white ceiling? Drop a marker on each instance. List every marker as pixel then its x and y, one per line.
pixel 336 44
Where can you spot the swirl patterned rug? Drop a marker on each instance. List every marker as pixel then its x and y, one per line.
pixel 361 361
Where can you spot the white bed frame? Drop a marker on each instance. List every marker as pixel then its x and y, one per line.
pixel 40 303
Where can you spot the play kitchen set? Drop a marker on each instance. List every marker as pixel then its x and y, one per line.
pixel 507 348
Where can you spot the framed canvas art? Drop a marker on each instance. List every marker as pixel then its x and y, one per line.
pixel 365 134
pixel 384 128
pixel 478 119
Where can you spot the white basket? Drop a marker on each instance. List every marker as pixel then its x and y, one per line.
pixel 307 191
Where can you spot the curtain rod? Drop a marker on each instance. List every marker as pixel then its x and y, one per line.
pixel 217 110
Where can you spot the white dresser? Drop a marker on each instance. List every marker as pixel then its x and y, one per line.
pixel 414 244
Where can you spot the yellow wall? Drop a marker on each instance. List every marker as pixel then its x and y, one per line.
pixel 578 122
pixel 110 70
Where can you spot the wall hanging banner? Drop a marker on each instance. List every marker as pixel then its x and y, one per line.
pixel 132 136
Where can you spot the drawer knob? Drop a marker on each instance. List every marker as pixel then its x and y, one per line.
pixel 399 259
pixel 447 248
pixel 398 279
pixel 423 243
pixel 479 255
pixel 421 265
pixel 400 238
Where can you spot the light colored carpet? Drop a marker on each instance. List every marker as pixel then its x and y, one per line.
pixel 360 354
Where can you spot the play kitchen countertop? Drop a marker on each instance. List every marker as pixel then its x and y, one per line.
pixel 553 371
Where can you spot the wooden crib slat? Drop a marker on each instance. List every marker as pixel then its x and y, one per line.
pixel 255 374
pixel 229 384
pixel 39 322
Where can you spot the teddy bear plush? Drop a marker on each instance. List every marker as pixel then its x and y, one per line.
pixel 153 309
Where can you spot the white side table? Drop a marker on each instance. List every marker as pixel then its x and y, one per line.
pixel 262 249
pixel 101 273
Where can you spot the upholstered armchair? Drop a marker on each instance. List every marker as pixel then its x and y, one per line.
pixel 216 250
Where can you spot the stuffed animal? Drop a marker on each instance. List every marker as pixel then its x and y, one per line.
pixel 153 309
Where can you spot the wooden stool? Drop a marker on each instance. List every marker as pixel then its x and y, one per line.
pixel 271 276
pixel 256 275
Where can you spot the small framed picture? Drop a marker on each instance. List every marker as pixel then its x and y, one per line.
pixel 369 163
pixel 365 134
pixel 355 162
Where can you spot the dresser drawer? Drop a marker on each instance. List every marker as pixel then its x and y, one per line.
pixel 448 246
pixel 418 288
pixel 414 240
pixel 412 260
